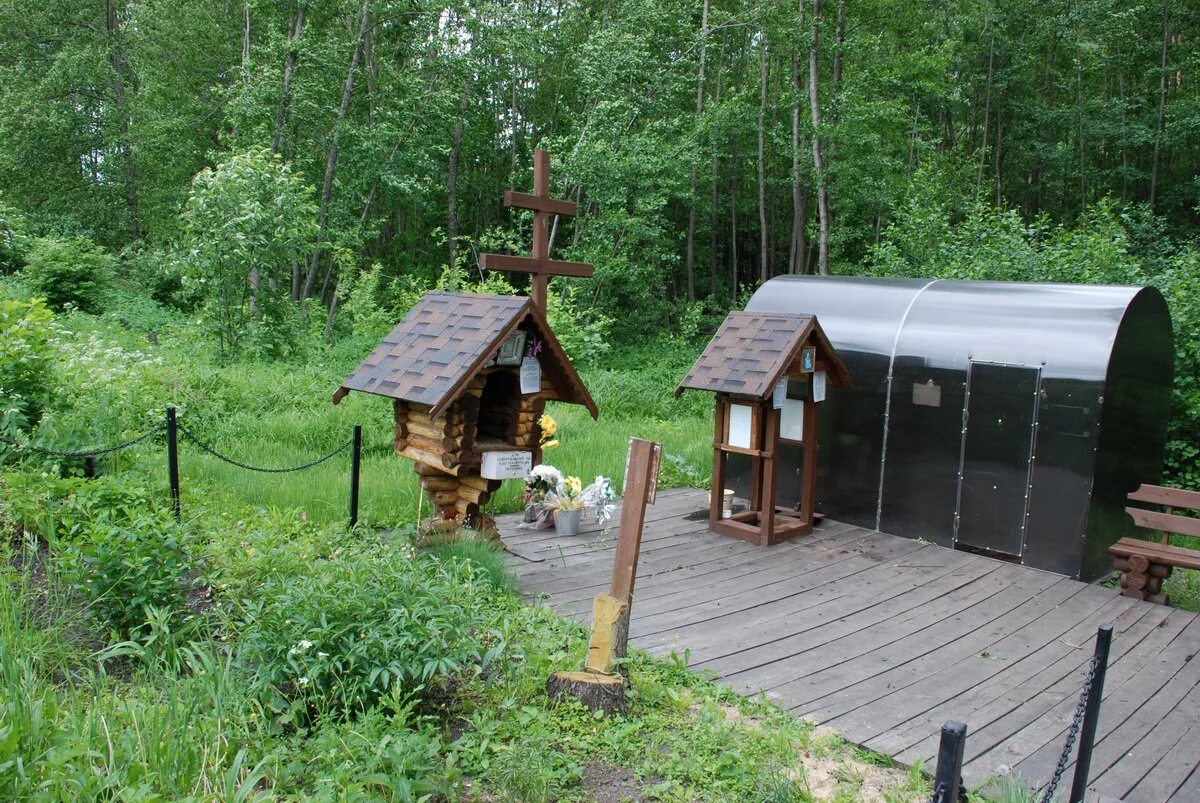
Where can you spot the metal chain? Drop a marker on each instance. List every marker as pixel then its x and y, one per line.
pixel 1072 734
pixel 90 452
pixel 205 447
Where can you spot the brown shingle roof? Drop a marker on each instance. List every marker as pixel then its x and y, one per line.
pixel 752 351
pixel 444 340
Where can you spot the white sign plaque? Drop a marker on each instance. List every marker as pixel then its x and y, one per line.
pixel 739 425
pixel 506 465
pixel 819 386
pixel 780 394
pixel 791 420
pixel 531 375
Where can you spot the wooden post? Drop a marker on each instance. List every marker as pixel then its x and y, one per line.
pixel 770 444
pixel 718 471
pixel 808 492
pixel 597 686
pixel 541 225
pixel 638 486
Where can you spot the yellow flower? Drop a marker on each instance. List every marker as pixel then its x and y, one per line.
pixel 573 486
pixel 550 444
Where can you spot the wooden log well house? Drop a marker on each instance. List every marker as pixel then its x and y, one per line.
pixel 469 376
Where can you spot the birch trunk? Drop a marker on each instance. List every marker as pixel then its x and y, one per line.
pixel 331 158
pixel 690 258
pixel 814 102
pixel 764 268
pixel 1162 104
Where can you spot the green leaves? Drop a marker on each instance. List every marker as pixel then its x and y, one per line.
pixel 244 225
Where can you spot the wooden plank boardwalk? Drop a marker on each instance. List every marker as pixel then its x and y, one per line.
pixel 885 638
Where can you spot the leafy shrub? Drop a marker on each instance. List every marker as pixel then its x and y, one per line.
pixel 360 624
pixel 73 271
pixel 62 509
pixel 126 568
pixel 25 350
pixel 245 223
pixel 582 330
pixel 14 239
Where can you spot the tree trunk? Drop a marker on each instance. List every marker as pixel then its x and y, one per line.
pixel 814 101
pixel 798 247
pixel 289 70
pixel 999 185
pixel 1124 138
pixel 1162 104
pixel 987 111
pixel 733 251
pixel 452 179
pixel 245 40
pixel 712 234
pixel 1079 135
pixel 331 158
pixel 764 267
pixel 116 59
pixel 689 261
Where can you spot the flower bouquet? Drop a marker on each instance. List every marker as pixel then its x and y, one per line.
pixel 566 503
pixel 541 482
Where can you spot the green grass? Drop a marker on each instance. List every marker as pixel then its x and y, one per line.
pixel 178 715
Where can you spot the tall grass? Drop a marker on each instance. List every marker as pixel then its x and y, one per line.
pixel 277 416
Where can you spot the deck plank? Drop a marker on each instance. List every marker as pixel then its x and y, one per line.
pixel 885 638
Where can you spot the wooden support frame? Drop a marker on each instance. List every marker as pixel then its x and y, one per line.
pixel 756 525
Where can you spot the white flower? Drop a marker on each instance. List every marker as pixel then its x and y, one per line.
pixel 322 655
pixel 305 644
pixel 302 682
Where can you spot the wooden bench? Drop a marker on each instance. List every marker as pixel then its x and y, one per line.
pixel 1145 564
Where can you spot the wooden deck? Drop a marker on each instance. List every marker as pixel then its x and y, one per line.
pixel 885 638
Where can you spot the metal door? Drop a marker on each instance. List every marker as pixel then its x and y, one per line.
pixel 999 436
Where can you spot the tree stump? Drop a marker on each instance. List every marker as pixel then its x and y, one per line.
pixel 598 692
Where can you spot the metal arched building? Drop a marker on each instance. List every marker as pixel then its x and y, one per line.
pixel 1007 418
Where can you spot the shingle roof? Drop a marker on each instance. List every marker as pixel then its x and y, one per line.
pixel 444 340
pixel 751 351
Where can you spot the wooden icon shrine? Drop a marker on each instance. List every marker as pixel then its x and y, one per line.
pixel 470 374
pixel 770 372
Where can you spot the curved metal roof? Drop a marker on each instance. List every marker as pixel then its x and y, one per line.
pixel 1067 329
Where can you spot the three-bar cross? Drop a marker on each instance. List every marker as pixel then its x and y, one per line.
pixel 540 264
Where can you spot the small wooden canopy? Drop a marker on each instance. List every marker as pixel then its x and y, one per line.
pixel 448 338
pixel 752 351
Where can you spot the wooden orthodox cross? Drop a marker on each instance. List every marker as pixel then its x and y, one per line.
pixel 540 264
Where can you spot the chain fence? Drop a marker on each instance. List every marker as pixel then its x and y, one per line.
pixel 231 461
pixel 948 784
pixel 98 452
pixel 173 428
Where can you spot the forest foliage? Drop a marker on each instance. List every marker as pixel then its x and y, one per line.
pixel 286 170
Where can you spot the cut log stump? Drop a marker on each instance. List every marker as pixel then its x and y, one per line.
pixel 598 692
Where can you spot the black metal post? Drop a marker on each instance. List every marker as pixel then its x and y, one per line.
pixel 355 463
pixel 173 461
pixel 947 781
pixel 89 466
pixel 1091 714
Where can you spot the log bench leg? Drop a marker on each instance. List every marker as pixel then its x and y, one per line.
pixel 1142 578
